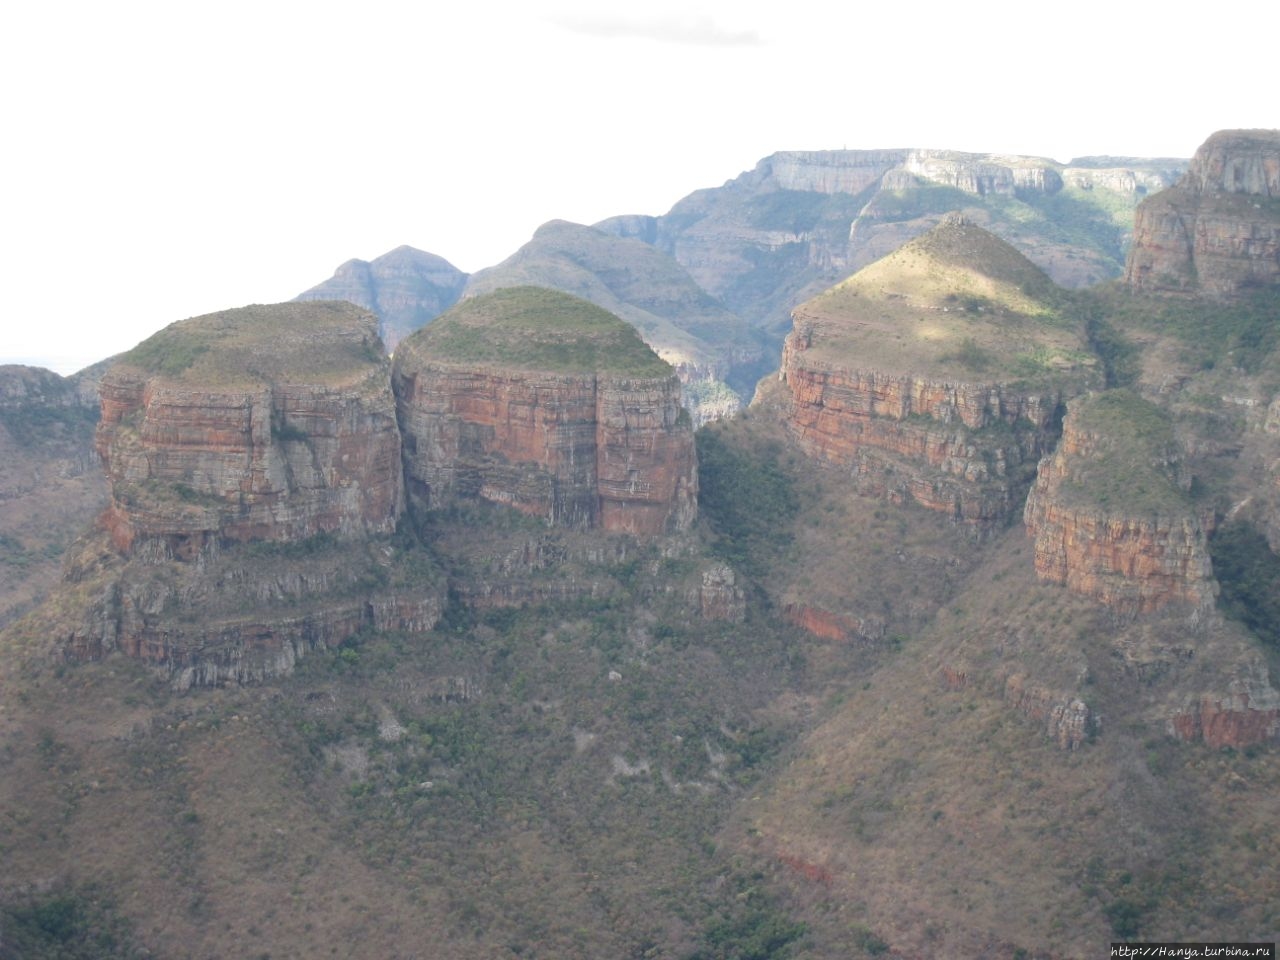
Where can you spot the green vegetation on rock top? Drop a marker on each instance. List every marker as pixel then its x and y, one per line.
pixel 534 328
pixel 956 303
pixel 1131 468
pixel 320 341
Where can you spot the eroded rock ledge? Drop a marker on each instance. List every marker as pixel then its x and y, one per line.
pixel 1110 518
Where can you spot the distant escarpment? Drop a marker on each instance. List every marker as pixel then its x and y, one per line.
pixel 405 288
pixel 1111 517
pixel 254 463
pixel 801 220
pixel 547 403
pixel 1216 233
pixel 715 353
pixel 937 375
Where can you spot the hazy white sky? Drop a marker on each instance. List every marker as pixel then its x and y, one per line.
pixel 163 160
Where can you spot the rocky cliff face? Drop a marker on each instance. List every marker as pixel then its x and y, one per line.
pixel 405 288
pixel 879 381
pixel 1108 514
pixel 957 448
pixel 254 464
pixel 589 448
pixel 238 447
pixel 711 349
pixel 1217 232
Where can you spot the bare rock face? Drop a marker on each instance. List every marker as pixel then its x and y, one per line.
pixel 282 426
pixel 1247 712
pixel 587 433
pixel 719 597
pixel 1108 514
pixel 1216 233
pixel 1067 719
pixel 907 380
pixel 255 471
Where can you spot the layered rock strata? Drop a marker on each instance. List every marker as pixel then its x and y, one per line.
pixel 1247 713
pixel 253 457
pixel 1216 233
pixel 936 435
pixel 597 448
pixel 281 427
pixel 709 347
pixel 1109 516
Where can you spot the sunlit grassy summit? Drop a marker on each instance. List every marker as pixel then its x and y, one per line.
pixel 957 303
pixel 535 328
pixel 323 342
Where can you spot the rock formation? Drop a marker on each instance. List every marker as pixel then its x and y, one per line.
pixel 254 463
pixel 539 400
pixel 405 288
pixel 936 375
pixel 800 220
pixel 1109 515
pixel 266 423
pixel 709 347
pixel 1216 233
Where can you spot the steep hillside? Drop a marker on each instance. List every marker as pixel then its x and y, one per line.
pixel 800 221
pixel 405 288
pixel 713 351
pixel 50 482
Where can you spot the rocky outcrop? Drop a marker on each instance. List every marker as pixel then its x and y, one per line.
pixel 1067 720
pixel 834 626
pixel 254 463
pixel 956 448
pixel 586 448
pixel 938 436
pixel 1248 713
pixel 249 613
pixel 405 288
pixel 282 427
pixel 1109 516
pixel 719 597
pixel 711 349
pixel 1216 233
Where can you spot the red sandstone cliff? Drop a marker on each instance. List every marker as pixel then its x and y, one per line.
pixel 232 443
pixel 1217 231
pixel 235 448
pixel 1108 517
pixel 934 376
pixel 583 448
